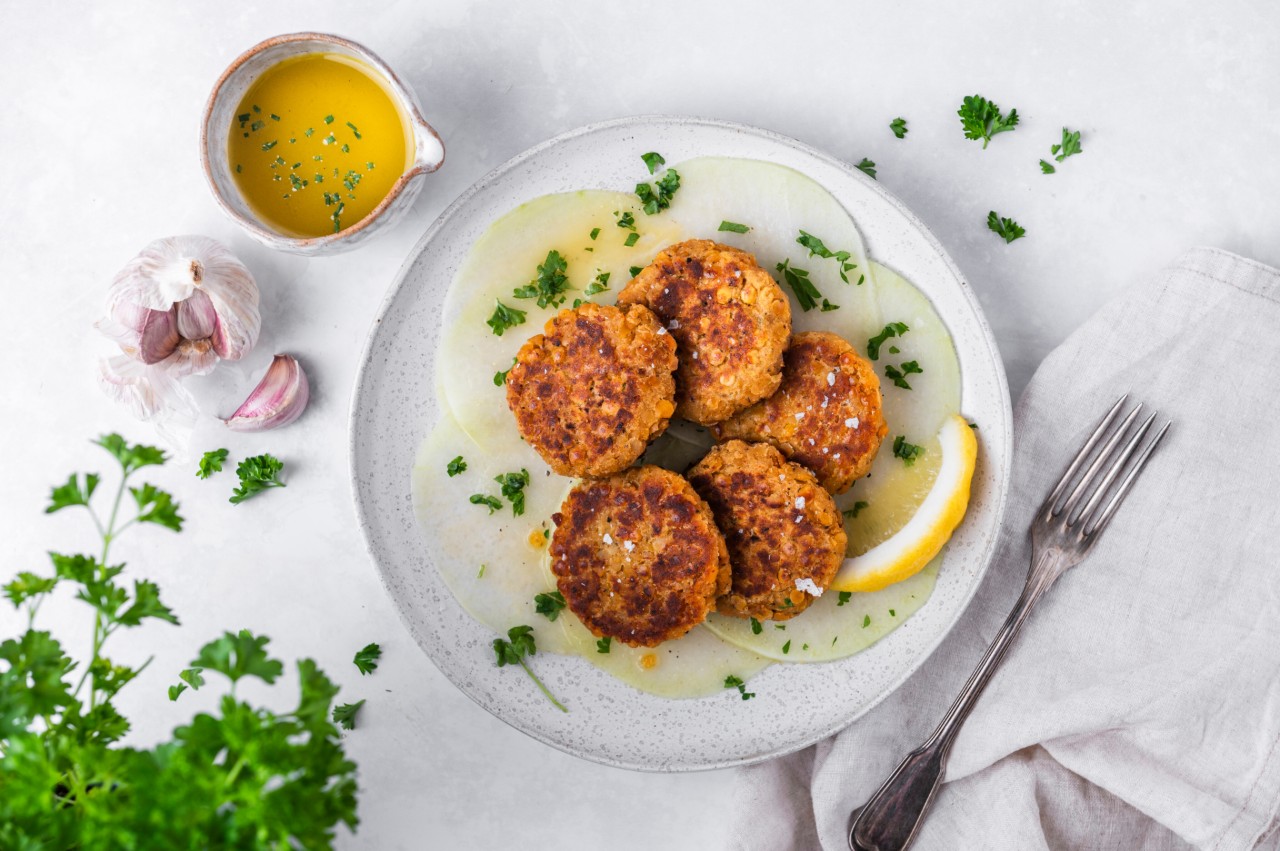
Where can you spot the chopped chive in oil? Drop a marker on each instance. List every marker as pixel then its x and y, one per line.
pixel 370 166
pixel 275 117
pixel 257 125
pixel 328 119
pixel 346 149
pixel 257 108
pixel 308 132
pixel 243 117
pixel 354 130
pixel 237 168
pixel 329 140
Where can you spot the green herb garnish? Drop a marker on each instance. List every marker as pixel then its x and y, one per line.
pixel 504 317
pixel 844 597
pixel 550 284
pixel 908 452
pixel 635 270
pixel 632 239
pixel 549 605
pixel 513 485
pixel 899 127
pixel 492 502
pixel 806 293
pixel 982 119
pixel 595 232
pixel 268 145
pixel 658 197
pixel 736 682
pixel 732 227
pixel 1006 229
pixel 867 167
pixel 856 510
pixel 1068 147
pixel 818 249
pixel 256 475
pixel 654 161
pixel 1046 168
pixel 456 466
pixel 328 119
pixel 893 329
pixel 514 651
pixel 211 462
pixel 604 644
pixel 786 648
pixel 345 715
pixel 354 131
pixel 366 659
pixel 866 621
pixel 257 125
pixel 899 376
pixel 599 285
pixel 755 627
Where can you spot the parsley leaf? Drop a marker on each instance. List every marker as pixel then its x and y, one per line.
pixel 732 227
pixel 867 167
pixel 345 715
pixel 366 659
pixel 908 452
pixel 603 645
pixel 1046 168
pixel 599 285
pixel 1069 146
pixel 899 376
pixel 755 627
pixel 514 649
pixel 632 239
pixel 658 197
pixel 26 586
pixel 1007 229
pixel 456 466
pixel 653 160
pixel 844 597
pixel 257 474
pixel 806 293
pixel 899 127
pixel 513 485
pixel 786 648
pixel 133 457
pixel 817 248
pixel 211 462
pixel 74 492
pixel 866 621
pixel 239 655
pixel 549 286
pixel 549 605
pixel 156 506
pixel 626 221
pixel 893 329
pixel 982 119
pixel 504 317
pixel 856 510
pixel 635 270
pixel 736 682
pixel 492 502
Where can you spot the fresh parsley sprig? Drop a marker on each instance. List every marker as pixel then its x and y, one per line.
pixel 518 644
pixel 513 485
pixel 657 197
pixel 908 452
pixel 867 167
pixel 982 119
pixel 807 295
pixel 504 317
pixel 549 605
pixel 736 682
pixel 366 658
pixel 211 462
pixel 1006 229
pixel 257 474
pixel 893 329
pixel 898 375
pixel 819 249
pixel 1068 147
pixel 899 127
pixel 550 284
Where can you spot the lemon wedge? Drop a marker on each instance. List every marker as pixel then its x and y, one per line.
pixel 906 552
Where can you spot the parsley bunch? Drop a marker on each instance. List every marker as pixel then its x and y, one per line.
pixel 238 777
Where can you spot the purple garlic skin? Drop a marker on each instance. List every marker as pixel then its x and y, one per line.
pixel 279 399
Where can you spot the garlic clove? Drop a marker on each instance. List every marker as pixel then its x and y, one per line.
pixel 159 336
pixel 278 400
pixel 196 316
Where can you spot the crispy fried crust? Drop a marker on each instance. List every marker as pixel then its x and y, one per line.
pixel 730 319
pixel 638 557
pixel 780 526
pixel 594 388
pixel 826 414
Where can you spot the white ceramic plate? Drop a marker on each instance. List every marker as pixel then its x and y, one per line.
pixel 395 406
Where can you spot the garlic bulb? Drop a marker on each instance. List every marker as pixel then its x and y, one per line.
pixel 176 309
pixel 278 400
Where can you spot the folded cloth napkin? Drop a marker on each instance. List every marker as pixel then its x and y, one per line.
pixel 1140 706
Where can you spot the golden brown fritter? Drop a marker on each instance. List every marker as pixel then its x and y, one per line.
pixel 826 414
pixel 638 557
pixel 730 319
pixel 594 388
pixel 782 528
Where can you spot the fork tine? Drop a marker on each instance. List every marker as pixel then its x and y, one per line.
pixel 1104 454
pixel 1101 490
pixel 1084 453
pixel 1110 510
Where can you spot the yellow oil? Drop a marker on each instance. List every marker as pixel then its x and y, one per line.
pixel 317 142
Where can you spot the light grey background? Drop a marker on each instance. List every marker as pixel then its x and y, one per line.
pixel 1179 104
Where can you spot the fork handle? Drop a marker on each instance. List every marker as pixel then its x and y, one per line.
pixel 889 820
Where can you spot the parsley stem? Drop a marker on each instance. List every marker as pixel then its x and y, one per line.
pixel 542 688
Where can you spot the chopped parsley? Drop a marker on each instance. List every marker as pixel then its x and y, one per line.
pixel 819 249
pixel 1006 229
pixel 892 613
pixel 504 317
pixel 755 627
pixel 513 485
pixel 366 659
pixel 1068 147
pixel 732 227
pixel 456 466
pixel 653 161
pixel 345 715
pixel 211 462
pixel 866 621
pixel 893 329
pixel 632 239
pixel 512 651
pixel 867 167
pixel 657 197
pixel 899 127
pixel 492 502
pixel 500 378
pixel 604 644
pixel 899 376
pixel 736 682
pixel 845 596
pixel 549 605
pixel 786 648
pixel 908 452
pixel 595 232
pixel 256 475
pixel 599 285
pixel 1046 168
pixel 550 284
pixel 635 270
pixel 806 293
pixel 626 221
pixel 982 119
pixel 856 510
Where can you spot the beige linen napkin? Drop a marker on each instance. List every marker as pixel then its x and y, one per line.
pixel 1140 707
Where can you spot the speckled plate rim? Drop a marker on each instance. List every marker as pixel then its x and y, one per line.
pixel 383 500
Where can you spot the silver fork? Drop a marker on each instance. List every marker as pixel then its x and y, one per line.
pixel 1062 534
